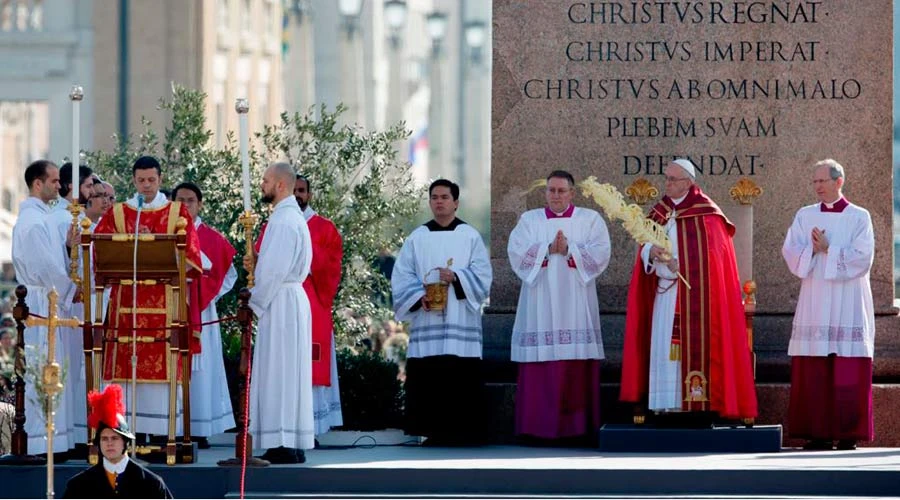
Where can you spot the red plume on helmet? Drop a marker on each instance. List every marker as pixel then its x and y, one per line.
pixel 108 410
pixel 106 406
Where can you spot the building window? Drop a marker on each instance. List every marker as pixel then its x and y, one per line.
pixel 218 95
pixel 246 17
pixel 224 15
pixel 269 20
pixel 262 94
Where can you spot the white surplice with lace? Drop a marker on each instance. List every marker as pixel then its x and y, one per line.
pixel 834 311
pixel 558 317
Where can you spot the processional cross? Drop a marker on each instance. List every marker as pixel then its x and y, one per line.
pixel 50 375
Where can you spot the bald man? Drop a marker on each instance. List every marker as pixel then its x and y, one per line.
pixel 281 389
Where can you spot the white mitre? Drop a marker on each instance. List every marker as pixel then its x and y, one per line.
pixel 687 166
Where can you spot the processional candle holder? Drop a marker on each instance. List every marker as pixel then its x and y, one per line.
pixel 76 95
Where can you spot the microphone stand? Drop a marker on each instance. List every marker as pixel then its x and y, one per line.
pixel 137 229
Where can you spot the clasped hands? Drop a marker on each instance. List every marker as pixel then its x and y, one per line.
pixel 659 254
pixel 560 244
pixel 819 240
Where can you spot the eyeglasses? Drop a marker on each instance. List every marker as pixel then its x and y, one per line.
pixel 676 179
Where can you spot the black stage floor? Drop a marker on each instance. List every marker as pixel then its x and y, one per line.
pixel 516 472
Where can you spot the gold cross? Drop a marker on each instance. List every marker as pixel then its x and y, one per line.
pixel 50 375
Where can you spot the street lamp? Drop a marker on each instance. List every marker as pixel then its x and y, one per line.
pixel 395 17
pixel 436 25
pixel 350 9
pixel 475 32
pixel 300 9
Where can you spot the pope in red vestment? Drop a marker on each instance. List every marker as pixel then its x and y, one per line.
pixel 155 304
pixel 709 329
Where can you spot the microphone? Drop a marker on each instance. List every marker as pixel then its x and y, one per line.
pixel 134 305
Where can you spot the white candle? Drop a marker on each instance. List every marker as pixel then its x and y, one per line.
pixel 76 95
pixel 242 107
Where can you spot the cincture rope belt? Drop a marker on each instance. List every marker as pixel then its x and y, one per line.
pixel 143 329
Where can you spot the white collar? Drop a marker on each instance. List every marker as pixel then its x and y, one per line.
pixel 833 203
pixel 308 212
pixel 157 202
pixel 286 203
pixel 116 468
pixel 197 222
pixel 677 201
pixel 62 203
pixel 34 201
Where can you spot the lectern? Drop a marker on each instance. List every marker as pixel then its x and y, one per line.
pixel 161 260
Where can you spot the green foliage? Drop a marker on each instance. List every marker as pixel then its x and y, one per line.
pixel 357 181
pixel 34 371
pixel 371 394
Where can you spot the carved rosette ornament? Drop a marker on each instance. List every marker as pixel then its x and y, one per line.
pixel 745 191
pixel 641 191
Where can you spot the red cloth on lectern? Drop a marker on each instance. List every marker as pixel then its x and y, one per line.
pixel 321 287
pixel 710 323
pixel 221 254
pixel 156 304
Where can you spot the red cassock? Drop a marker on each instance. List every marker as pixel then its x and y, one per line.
pixel 221 254
pixel 155 305
pixel 321 288
pixel 709 329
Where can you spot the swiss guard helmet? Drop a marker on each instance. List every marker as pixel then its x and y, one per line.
pixel 108 412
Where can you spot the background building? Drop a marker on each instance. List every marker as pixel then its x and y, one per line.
pixel 45 46
pixel 227 48
pixel 423 62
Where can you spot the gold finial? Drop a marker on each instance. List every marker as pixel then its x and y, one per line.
pixel 750 292
pixel 77 93
pixel 248 220
pixel 180 226
pixel 641 191
pixel 241 105
pixel 86 224
pixel 745 191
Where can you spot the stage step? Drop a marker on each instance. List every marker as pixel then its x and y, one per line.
pixel 535 497
pixel 405 472
pixel 619 438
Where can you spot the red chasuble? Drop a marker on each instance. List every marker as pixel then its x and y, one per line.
pixel 321 288
pixel 710 329
pixel 156 305
pixel 220 252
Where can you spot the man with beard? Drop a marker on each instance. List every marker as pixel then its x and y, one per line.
pixel 281 402
pixel 60 223
pixel 321 287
